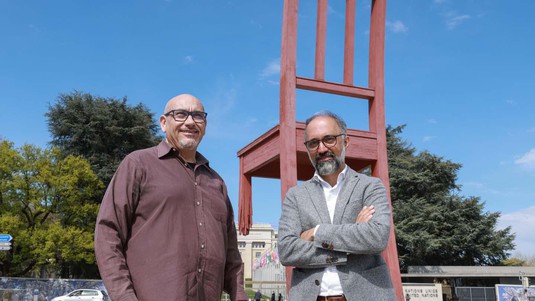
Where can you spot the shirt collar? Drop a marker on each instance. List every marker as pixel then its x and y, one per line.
pixel 164 149
pixel 341 177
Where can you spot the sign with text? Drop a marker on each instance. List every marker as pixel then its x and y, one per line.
pixel 422 291
pixel 5 238
pixel 5 242
pixel 5 246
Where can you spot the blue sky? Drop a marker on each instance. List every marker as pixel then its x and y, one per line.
pixel 459 74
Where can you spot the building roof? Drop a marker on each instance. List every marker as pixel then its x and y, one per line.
pixel 469 271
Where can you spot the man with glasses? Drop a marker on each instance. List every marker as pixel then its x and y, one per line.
pixel 165 230
pixel 334 226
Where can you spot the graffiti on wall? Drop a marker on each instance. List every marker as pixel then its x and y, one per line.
pixel 514 293
pixel 29 289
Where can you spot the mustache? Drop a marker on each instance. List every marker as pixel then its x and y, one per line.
pixel 325 154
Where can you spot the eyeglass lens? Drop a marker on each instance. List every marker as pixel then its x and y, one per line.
pixel 180 115
pixel 329 141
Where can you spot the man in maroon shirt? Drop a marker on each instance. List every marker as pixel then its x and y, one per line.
pixel 165 230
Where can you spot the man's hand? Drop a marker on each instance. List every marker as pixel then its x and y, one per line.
pixel 365 215
pixel 308 234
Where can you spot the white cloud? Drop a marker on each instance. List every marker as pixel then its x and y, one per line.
pixel 272 68
pixel 510 102
pixel 187 60
pixel 428 138
pixel 220 105
pixel 522 223
pixel 273 82
pixel 528 159
pixel 455 20
pixel 397 26
pixel 331 10
pixel 34 28
pixel 477 185
pixel 254 23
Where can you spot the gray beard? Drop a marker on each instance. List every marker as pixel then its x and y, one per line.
pixel 329 167
pixel 189 144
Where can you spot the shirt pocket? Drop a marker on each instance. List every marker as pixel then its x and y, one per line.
pixel 215 200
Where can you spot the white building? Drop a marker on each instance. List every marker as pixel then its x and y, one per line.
pixel 262 268
pixel 261 239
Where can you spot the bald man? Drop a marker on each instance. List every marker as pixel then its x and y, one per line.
pixel 165 229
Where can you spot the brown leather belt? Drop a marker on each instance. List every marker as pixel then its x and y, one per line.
pixel 332 298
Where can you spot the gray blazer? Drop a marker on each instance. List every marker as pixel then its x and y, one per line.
pixel 354 248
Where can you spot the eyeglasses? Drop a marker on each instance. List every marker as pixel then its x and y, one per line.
pixel 182 115
pixel 328 141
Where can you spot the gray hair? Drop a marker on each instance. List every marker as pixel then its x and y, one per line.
pixel 325 113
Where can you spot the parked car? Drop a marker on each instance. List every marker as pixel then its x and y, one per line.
pixel 84 295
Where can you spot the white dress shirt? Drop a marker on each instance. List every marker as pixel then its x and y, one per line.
pixel 330 283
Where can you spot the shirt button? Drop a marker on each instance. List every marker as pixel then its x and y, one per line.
pixel 199 270
pixel 196 184
pixel 198 203
pixel 202 246
pixel 200 224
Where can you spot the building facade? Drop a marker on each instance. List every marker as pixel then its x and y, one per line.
pixel 261 239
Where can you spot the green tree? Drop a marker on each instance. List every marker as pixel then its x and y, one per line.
pixel 434 225
pixel 102 130
pixel 513 261
pixel 46 202
pixel 520 259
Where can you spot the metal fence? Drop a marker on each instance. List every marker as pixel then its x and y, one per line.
pixel 476 293
pixel 30 289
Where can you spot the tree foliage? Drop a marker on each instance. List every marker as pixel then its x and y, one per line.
pixel 46 205
pixel 102 130
pixel 520 259
pixel 514 262
pixel 434 225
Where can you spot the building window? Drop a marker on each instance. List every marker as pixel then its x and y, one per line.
pixel 259 245
pixel 241 244
pixel 257 254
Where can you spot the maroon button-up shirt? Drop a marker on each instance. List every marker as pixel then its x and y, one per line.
pixel 166 231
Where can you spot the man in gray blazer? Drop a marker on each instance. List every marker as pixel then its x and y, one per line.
pixel 334 226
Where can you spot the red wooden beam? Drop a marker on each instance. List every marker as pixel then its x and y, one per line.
pixel 334 88
pixel 288 160
pixel 321 28
pixel 287 97
pixel 245 205
pixel 349 42
pixel 378 125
